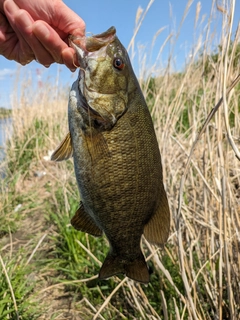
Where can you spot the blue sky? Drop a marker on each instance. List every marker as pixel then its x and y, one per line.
pixel 99 15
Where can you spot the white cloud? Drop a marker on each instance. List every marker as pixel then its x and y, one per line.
pixel 6 72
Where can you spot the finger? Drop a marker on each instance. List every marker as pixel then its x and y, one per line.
pixel 25 25
pixel 57 14
pixel 68 21
pixel 24 51
pixel 7 39
pixel 55 45
pixel 30 47
pixel 49 39
pixel 70 59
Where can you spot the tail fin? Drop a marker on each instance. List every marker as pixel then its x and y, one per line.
pixel 136 270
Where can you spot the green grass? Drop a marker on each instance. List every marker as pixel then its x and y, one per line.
pixel 19 279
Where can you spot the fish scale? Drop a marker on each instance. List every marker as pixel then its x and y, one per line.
pixel 116 157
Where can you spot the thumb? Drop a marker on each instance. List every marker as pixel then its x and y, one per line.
pixel 68 21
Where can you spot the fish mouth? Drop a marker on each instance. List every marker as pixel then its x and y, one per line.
pixel 85 47
pixel 93 43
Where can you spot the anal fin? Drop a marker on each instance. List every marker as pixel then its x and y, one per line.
pixel 82 221
pixel 156 231
pixel 64 151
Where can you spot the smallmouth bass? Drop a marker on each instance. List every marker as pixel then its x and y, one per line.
pixel 116 156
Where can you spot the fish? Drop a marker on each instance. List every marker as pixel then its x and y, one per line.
pixel 116 157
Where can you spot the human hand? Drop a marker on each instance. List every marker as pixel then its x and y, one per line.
pixel 38 30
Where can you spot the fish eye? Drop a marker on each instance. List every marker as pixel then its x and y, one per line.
pixel 118 63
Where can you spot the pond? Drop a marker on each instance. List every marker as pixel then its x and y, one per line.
pixel 5 133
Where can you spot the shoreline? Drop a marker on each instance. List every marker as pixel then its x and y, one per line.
pixel 5 113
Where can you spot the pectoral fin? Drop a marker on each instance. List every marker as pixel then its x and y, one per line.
pixel 98 147
pixel 64 151
pixel 156 231
pixel 82 221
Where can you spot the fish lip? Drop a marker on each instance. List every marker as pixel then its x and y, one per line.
pixel 84 46
pixel 96 42
pixel 78 44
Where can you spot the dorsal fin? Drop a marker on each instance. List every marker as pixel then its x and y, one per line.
pixel 64 151
pixel 156 231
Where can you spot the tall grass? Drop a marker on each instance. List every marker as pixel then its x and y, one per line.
pixel 49 269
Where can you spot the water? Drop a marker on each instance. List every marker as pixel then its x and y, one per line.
pixel 5 133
